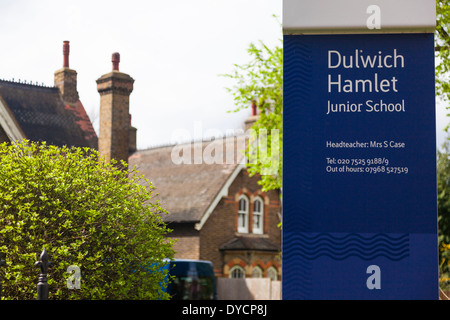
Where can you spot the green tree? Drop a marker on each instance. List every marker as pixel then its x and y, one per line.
pixel 442 49
pixel 442 52
pixel 261 82
pixel 86 213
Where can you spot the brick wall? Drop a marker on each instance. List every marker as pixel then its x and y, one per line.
pixel 187 245
pixel 221 227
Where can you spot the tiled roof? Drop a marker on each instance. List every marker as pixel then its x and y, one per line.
pixel 43 116
pixel 187 190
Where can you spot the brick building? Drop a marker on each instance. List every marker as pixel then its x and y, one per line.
pixel 216 210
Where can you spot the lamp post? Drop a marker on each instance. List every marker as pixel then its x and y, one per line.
pixel 2 263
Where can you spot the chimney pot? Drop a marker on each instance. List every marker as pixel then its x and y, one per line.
pixel 66 51
pixel 66 78
pixel 116 61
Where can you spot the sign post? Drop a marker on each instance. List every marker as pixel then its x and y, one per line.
pixel 359 162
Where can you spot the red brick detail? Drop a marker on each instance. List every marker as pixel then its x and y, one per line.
pixel 274 264
pixel 236 261
pixel 259 263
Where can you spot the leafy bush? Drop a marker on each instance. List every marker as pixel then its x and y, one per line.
pixel 85 212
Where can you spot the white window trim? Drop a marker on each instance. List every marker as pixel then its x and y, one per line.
pixel 246 213
pixel 260 229
pixel 234 268
pixel 257 272
pixel 272 271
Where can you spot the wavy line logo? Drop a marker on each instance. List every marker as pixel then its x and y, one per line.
pixel 298 72
pixel 340 247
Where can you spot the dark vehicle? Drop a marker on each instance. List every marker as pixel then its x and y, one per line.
pixel 191 280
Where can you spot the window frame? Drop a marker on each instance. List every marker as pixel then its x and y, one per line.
pixel 239 269
pixel 257 272
pixel 272 272
pixel 258 214
pixel 243 215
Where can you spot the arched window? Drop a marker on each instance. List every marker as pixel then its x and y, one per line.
pixel 258 216
pixel 272 273
pixel 237 272
pixel 257 272
pixel 243 214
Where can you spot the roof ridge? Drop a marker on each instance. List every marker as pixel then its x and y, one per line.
pixel 19 83
pixel 202 140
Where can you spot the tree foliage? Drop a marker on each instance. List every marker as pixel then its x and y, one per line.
pixel 261 81
pixel 442 49
pixel 442 54
pixel 85 212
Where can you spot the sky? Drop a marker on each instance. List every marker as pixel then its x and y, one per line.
pixel 175 50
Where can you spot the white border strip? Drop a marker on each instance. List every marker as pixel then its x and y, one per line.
pixel 358 16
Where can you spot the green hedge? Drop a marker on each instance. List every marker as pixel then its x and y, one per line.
pixel 85 212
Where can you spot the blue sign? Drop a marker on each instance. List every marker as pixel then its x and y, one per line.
pixel 359 171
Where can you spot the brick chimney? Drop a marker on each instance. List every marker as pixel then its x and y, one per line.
pixel 132 143
pixel 66 78
pixel 115 89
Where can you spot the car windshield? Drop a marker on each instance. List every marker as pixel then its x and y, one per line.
pixel 192 281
